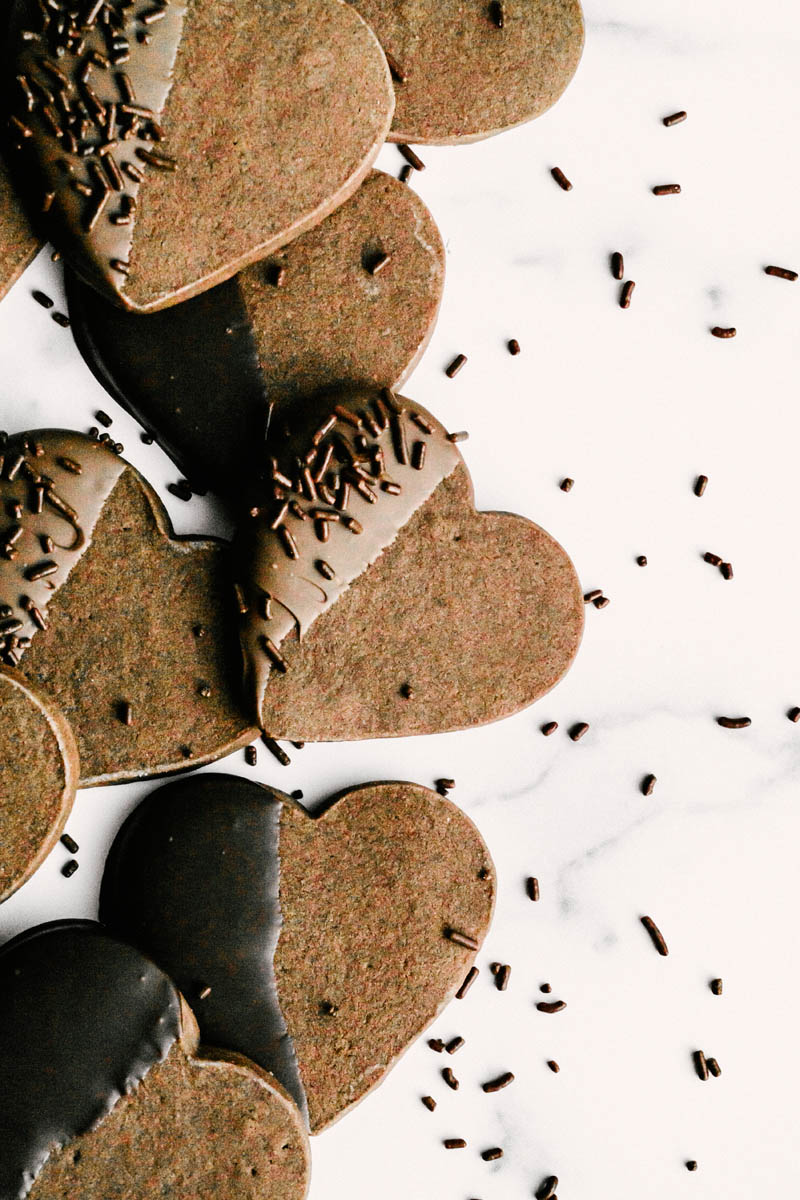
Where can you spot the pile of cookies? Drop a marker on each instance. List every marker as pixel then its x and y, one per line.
pixel 244 283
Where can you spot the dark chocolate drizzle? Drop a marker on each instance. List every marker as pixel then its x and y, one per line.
pixel 53 484
pixel 83 1018
pixel 193 878
pixel 347 475
pixel 85 89
pixel 190 374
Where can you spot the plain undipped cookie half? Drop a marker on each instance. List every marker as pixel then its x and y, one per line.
pixel 166 147
pixel 38 777
pixel 465 71
pixel 18 242
pixel 130 629
pixel 323 946
pixel 103 1091
pixel 353 301
pixel 378 602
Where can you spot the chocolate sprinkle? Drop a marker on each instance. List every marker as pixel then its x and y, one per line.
pixel 577 731
pixel 454 1143
pixel 547 1188
pixel 700 1065
pixel 656 935
pixel 491 1154
pixel 436 1044
pixel 455 366
pixel 722 331
pixel 469 979
pixel 700 485
pixel 567 484
pixel 461 939
pixel 781 273
pixel 502 977
pixel 691 1165
pixel 514 347
pixel 454 1044
pixel 553 1065
pixel 276 750
pixel 450 1079
pixel 70 843
pixel 648 785
pixel 734 722
pixel 794 714
pixel 667 189
pixel 674 119
pixel 411 157
pixel 713 1067
pixel 549 727
pixel 626 294
pixel 429 1103
pixel 551 1006
pixel 496 1085
pixel 617 265
pixel 641 560
pixel 69 869
pixel 250 755
pixel 716 986
pixel 532 888
pixel 561 179
pixel 43 299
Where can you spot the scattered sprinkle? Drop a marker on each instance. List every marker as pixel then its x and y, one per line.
pixel 722 331
pixel 781 273
pixel 551 1006
pixel 502 977
pixel 734 722
pixel 716 986
pixel 691 1165
pixel 547 1188
pixel 276 750
pixel 411 157
pixel 455 366
pixel 461 939
pixel 567 484
pixel 470 978
pixel 450 1079
pixel 532 888
pixel 429 1103
pixel 491 1154
pixel 514 346
pixel 496 1085
pixel 626 294
pixel 794 714
pixel 69 869
pixel 43 299
pixel 617 265
pixel 454 1044
pixel 561 179
pixel 641 560
pixel 674 119
pixel 70 843
pixel 648 785
pixel 713 1067
pixel 700 484
pixel 553 1065
pixel 667 189
pixel 61 319
pixel 549 727
pixel 250 755
pixel 656 935
pixel 700 1065
pixel 436 1044
pixel 454 1143
pixel 577 731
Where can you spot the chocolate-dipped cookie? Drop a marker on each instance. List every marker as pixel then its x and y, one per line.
pixel 103 1092
pixel 377 601
pixel 38 777
pixel 131 630
pixel 166 147
pixel 18 242
pixel 327 943
pixel 353 301
pixel 463 72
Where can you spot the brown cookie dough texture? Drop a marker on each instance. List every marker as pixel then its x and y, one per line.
pixel 38 777
pixel 226 128
pixel 209 1128
pixel 401 612
pixel 472 69
pixel 18 243
pixel 338 317
pixel 363 964
pixel 140 623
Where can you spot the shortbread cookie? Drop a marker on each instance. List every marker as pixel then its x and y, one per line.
pixel 169 145
pixel 464 71
pixel 353 301
pixel 38 776
pixel 103 1092
pixel 131 630
pixel 379 603
pixel 322 946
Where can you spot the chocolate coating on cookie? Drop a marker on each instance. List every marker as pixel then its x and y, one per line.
pixel 83 1018
pixel 193 877
pixel 53 486
pixel 84 94
pixel 346 477
pixel 190 374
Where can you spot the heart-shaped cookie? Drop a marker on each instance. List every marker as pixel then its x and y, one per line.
pixel 323 946
pixel 353 301
pixel 38 777
pixel 18 243
pixel 379 602
pixel 131 630
pixel 168 146
pixel 466 71
pixel 102 1091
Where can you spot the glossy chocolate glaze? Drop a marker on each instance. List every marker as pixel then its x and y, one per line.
pixel 83 1018
pixel 84 90
pixel 193 878
pixel 189 374
pixel 388 455
pixel 53 484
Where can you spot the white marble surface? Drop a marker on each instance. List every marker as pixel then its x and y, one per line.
pixel 632 405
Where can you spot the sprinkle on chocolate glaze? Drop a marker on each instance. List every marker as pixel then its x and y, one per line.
pixel 83 1018
pixel 174 895
pixel 76 121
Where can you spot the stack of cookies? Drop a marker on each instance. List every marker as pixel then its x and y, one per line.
pixel 245 284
